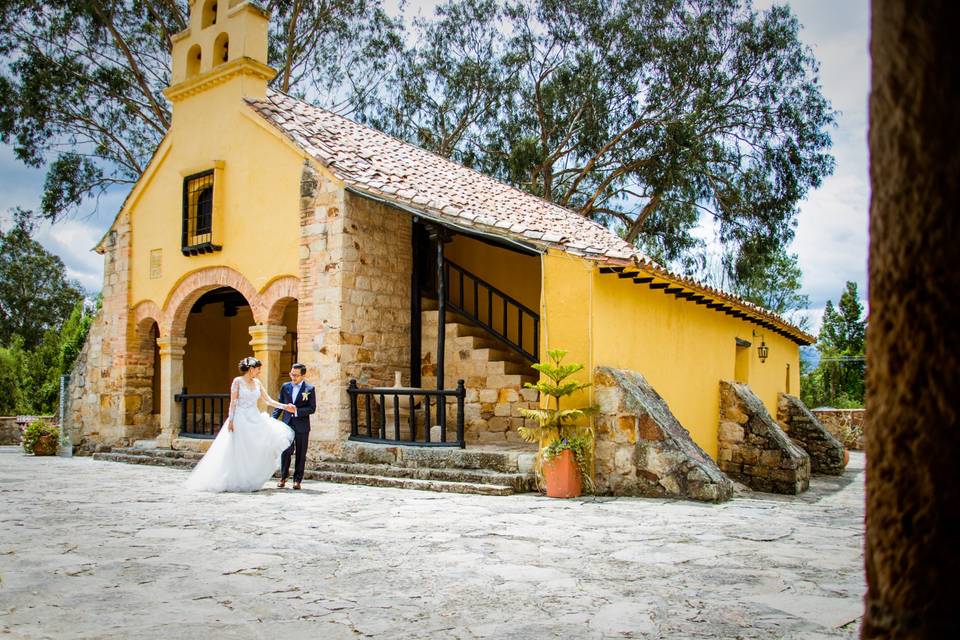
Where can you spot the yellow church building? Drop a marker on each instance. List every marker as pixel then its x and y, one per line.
pixel 267 226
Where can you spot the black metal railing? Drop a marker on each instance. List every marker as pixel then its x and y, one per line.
pixel 383 419
pixel 504 317
pixel 202 414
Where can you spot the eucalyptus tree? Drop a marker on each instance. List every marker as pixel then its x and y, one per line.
pixel 82 80
pixel 649 116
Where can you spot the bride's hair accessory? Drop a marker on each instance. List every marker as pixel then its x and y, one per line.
pixel 249 363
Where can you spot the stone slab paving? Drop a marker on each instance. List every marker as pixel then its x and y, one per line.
pixel 92 549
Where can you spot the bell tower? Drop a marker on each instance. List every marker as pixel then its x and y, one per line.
pixel 226 42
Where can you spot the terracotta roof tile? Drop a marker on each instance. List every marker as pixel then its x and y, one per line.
pixel 369 160
pixel 381 165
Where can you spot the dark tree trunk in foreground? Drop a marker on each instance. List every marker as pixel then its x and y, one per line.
pixel 913 345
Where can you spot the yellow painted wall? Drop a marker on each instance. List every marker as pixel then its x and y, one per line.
pixel 515 274
pixel 260 186
pixel 683 349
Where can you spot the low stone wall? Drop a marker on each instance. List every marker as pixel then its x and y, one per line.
pixel 9 430
pixel 846 425
pixel 643 450
pixel 825 451
pixel 753 449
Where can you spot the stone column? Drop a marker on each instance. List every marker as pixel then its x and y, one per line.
pixel 267 343
pixel 172 349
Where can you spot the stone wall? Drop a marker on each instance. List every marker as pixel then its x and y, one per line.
pixel 95 403
pixel 493 377
pixel 9 431
pixel 846 425
pixel 377 263
pixel 753 449
pixel 354 304
pixel 825 451
pixel 319 317
pixel 643 450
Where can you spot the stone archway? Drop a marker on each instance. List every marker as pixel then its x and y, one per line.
pixel 141 372
pixel 177 307
pixel 280 336
pixel 173 343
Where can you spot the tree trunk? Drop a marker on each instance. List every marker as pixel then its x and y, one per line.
pixel 913 378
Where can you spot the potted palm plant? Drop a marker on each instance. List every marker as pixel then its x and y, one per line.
pixel 566 448
pixel 40 438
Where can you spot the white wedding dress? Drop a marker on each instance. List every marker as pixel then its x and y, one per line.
pixel 245 458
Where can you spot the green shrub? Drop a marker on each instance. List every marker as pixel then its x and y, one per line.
pixel 37 429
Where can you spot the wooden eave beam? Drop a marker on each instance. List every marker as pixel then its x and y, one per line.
pixel 659 285
pixel 643 280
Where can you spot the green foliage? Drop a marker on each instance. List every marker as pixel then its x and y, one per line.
pixel 43 326
pixel 13 365
pixel 645 116
pixel 74 333
pixel 37 429
pixel 839 379
pixel 641 115
pixel 82 81
pixel 557 426
pixel 35 294
pixel 773 282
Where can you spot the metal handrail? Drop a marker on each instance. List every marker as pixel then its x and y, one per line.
pixel 377 433
pixel 188 409
pixel 493 293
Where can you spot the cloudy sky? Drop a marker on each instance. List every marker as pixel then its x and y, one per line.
pixel 831 236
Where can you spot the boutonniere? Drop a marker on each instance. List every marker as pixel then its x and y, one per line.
pixel 305 396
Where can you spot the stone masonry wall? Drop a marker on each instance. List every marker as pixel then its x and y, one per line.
pixel 319 311
pixel 95 408
pixel 846 425
pixel 9 430
pixel 377 263
pixel 825 451
pixel 493 377
pixel 643 450
pixel 753 449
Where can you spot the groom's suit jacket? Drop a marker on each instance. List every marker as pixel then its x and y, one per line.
pixel 305 402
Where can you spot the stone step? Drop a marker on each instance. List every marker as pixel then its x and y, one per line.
pixel 507 461
pixel 148 459
pixel 517 481
pixel 163 453
pixel 444 479
pixel 411 483
pixel 491 354
pixel 470 343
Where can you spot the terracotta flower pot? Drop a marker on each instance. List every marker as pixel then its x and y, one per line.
pixel 562 476
pixel 846 457
pixel 45 446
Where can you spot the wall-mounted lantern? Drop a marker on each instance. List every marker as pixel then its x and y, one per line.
pixel 762 351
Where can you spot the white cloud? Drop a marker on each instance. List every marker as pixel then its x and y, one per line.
pixel 73 241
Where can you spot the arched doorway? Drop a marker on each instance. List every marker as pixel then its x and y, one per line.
pixel 217 336
pixel 286 313
pixel 142 378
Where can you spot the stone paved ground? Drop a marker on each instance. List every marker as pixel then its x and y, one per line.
pixel 94 549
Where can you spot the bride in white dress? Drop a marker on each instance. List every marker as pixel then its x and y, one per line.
pixel 246 452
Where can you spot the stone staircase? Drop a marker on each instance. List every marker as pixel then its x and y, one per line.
pixel 496 473
pixel 494 376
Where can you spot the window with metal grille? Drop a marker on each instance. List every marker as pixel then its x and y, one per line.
pixel 198 214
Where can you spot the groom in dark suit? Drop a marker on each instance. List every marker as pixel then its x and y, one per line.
pixel 299 394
